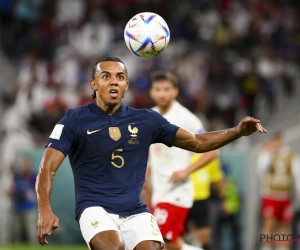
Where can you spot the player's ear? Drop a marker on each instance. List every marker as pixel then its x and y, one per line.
pixel 127 86
pixel 151 93
pixel 176 92
pixel 93 84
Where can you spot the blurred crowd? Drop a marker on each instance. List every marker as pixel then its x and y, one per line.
pixel 226 53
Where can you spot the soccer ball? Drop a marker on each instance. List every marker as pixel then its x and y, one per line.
pixel 146 34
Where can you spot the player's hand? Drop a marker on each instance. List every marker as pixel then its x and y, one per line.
pixel 47 222
pixel 178 175
pixel 249 125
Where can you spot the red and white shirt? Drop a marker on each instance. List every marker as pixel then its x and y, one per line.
pixel 164 161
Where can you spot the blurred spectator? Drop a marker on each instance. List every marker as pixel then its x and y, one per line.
pixel 16 137
pixel 229 220
pixel 278 167
pixel 239 18
pixel 296 228
pixel 232 51
pixel 44 122
pixel 6 20
pixel 269 68
pixel 24 202
pixel 28 15
pixel 5 205
pixel 199 223
pixel 69 12
pixel 250 86
pixel 95 36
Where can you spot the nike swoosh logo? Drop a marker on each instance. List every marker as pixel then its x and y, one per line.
pixel 92 132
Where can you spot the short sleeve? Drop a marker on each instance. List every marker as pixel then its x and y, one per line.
pixel 163 130
pixel 64 134
pixel 196 125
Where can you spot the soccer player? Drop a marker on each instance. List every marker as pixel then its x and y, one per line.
pixel 169 167
pixel 108 144
pixel 278 167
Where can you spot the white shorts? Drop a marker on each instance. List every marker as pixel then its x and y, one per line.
pixel 133 229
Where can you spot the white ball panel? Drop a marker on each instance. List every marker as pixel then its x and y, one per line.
pixel 160 45
pixel 134 45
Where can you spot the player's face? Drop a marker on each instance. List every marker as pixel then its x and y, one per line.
pixel 163 93
pixel 110 83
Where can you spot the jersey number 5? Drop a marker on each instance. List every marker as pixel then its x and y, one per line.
pixel 114 157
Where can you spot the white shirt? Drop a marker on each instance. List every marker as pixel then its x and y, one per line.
pixel 264 163
pixel 164 161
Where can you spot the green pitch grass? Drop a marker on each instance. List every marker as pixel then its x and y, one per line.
pixel 48 247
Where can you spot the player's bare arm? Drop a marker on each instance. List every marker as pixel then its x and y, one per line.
pixel 179 175
pixel 205 142
pixel 47 220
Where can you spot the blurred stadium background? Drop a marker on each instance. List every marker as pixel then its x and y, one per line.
pixel 233 58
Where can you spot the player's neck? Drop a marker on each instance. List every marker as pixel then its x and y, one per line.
pixel 109 108
pixel 164 109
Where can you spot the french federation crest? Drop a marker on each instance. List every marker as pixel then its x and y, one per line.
pixel 114 133
pixel 133 130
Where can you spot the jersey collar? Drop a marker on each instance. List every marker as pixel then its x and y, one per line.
pixel 99 110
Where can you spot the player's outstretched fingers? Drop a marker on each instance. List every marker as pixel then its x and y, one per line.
pixel 45 232
pixel 260 128
pixel 249 125
pixel 42 236
pixel 43 240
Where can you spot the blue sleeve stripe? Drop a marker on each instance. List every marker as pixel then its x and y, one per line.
pixel 201 131
pixel 59 148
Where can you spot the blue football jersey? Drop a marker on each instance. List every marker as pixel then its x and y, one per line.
pixel 109 153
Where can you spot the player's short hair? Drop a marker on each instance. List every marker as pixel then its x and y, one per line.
pixel 158 76
pixel 106 59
